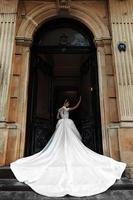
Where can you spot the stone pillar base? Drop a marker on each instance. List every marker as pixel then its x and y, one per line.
pixel 129 171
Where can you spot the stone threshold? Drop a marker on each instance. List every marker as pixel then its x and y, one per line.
pixel 14 185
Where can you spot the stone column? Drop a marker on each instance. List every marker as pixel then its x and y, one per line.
pixel 24 62
pixel 121 20
pixel 103 95
pixel 8 11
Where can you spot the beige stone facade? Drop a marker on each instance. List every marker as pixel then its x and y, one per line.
pixel 111 22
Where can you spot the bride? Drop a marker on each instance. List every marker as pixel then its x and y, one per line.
pixel 65 165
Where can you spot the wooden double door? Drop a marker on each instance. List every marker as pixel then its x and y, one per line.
pixel 53 78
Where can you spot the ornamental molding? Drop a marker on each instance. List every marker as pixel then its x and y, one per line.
pixel 40 14
pixel 63 5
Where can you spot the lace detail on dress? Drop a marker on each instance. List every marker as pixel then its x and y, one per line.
pixel 64 114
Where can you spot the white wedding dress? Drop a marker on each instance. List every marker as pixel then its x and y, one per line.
pixel 67 166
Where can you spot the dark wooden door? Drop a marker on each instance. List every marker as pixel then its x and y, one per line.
pixel 90 108
pixel 46 95
pixel 39 116
pixel 63 65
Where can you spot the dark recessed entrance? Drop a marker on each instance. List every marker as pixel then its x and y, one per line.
pixel 63 65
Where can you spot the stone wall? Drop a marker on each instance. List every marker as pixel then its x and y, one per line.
pixel 8 16
pixel 110 23
pixel 121 23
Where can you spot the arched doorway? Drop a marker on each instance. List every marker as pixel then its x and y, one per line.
pixel 63 65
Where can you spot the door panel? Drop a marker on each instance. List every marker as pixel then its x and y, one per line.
pixel 63 65
pixel 90 115
pixel 47 94
pixel 39 128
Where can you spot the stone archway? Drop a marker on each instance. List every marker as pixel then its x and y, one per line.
pixel 29 25
pixel 66 69
pixel 40 14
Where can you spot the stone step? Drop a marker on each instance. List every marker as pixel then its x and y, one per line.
pixel 7 176
pixel 108 195
pixel 11 189
pixel 14 185
pixel 6 173
pixel 30 195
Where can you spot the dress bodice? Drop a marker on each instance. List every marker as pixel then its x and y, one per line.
pixel 64 112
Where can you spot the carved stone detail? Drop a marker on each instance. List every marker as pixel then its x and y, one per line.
pixel 63 4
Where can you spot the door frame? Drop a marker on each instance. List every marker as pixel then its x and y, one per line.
pixel 58 50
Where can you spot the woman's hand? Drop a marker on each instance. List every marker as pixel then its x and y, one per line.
pixel 76 106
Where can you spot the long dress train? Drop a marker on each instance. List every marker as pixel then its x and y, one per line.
pixel 66 166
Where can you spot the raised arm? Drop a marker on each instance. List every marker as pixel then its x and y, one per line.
pixel 76 106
